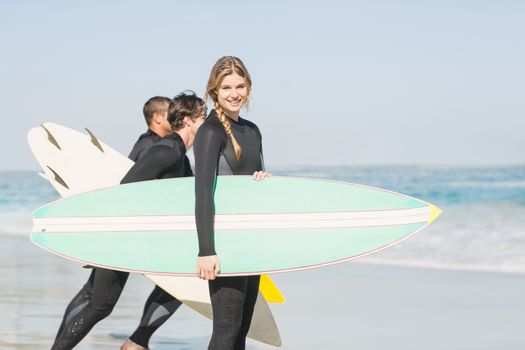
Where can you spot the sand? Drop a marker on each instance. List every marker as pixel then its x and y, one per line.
pixel 348 306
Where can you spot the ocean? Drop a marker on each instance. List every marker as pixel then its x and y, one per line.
pixel 482 227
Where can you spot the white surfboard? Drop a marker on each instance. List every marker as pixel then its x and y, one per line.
pixel 75 162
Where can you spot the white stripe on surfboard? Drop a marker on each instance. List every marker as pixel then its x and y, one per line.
pixel 298 216
pixel 233 222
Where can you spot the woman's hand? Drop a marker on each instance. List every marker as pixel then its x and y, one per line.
pixel 259 175
pixel 208 267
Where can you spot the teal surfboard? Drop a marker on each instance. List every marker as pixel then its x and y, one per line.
pixel 276 225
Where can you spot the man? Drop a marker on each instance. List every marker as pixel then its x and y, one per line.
pixel 156 114
pixel 153 163
pixel 97 298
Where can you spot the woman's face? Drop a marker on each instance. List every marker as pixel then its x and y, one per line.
pixel 232 94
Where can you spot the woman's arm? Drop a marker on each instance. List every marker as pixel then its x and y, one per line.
pixel 261 173
pixel 207 149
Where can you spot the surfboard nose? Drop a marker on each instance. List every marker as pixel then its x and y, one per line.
pixel 434 213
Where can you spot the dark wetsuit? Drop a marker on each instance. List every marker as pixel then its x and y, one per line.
pixel 165 159
pixel 233 298
pixel 144 142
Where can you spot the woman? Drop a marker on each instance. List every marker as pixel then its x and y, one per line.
pixel 164 159
pixel 226 144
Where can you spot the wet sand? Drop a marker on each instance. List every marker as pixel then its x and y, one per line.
pixel 347 306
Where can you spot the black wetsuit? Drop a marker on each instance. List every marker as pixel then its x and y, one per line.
pixel 144 142
pixel 233 298
pixel 165 159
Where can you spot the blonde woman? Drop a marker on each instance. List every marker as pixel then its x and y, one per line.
pixel 226 144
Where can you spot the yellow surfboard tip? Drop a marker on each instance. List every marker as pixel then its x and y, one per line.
pixel 269 290
pixel 434 213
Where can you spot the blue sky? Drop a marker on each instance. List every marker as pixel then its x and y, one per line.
pixel 335 82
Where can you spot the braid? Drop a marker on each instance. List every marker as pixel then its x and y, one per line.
pixel 228 129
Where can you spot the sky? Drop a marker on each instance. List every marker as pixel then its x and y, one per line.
pixel 335 82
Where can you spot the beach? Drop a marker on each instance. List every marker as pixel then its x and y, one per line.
pixel 457 285
pixel 423 99
pixel 351 305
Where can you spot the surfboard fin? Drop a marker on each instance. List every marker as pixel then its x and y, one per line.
pixel 58 178
pixel 434 213
pixel 94 140
pixel 51 138
pixel 269 290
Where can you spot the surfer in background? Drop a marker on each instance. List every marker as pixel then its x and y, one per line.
pixel 155 112
pixel 226 144
pixel 164 159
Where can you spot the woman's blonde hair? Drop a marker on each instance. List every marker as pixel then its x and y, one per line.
pixel 225 66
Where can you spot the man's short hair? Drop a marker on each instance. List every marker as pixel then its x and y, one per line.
pixel 185 104
pixel 157 104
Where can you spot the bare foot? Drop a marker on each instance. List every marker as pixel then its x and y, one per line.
pixel 129 345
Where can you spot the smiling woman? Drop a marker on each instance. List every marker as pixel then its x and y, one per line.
pixel 230 90
pixel 226 144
